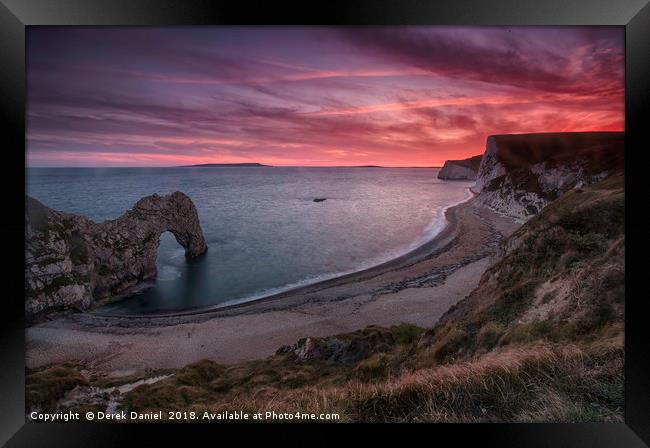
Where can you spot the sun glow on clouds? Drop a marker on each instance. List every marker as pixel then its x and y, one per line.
pixel 311 96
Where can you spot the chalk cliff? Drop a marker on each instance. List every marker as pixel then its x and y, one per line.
pixel 71 262
pixel 466 169
pixel 520 174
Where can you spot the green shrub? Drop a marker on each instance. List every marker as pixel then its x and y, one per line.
pixel 45 387
pixel 512 303
pixel 451 344
pixel 406 333
pixel 372 368
pixel 590 242
pixel 489 334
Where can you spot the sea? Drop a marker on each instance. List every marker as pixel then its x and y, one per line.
pixel 264 231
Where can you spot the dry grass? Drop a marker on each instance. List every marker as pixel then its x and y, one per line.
pixel 540 339
pixel 534 382
pixel 44 387
pixel 533 379
pixel 541 382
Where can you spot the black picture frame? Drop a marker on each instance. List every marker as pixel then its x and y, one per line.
pixel 15 15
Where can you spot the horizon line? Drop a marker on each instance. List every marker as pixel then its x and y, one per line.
pixel 226 166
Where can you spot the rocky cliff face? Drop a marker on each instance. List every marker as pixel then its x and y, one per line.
pixel 520 174
pixel 466 169
pixel 71 261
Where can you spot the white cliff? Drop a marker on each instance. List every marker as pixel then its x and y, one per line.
pixel 466 169
pixel 520 174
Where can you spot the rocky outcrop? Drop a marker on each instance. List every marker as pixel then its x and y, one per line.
pixel 466 169
pixel 520 174
pixel 71 262
pixel 350 347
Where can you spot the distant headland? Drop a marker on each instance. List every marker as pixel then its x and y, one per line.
pixel 253 165
pixel 210 165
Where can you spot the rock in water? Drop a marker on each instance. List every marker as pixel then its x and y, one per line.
pixel 466 169
pixel 71 262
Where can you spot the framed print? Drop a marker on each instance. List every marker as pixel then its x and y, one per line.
pixel 348 214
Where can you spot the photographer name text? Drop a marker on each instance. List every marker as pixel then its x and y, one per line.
pixel 177 415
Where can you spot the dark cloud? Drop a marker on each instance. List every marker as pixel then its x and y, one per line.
pixel 504 59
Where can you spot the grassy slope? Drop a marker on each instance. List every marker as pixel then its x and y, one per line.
pixel 540 339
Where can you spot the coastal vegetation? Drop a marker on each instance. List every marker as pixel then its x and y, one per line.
pixel 540 339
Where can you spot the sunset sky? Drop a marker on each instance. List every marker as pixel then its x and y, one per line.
pixel 396 96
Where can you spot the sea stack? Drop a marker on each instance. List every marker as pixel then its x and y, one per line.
pixel 466 169
pixel 71 261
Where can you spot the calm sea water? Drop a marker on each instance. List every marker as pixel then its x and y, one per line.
pixel 264 232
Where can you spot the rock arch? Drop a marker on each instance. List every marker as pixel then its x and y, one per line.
pixel 71 261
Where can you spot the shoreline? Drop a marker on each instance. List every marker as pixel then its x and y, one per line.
pixel 411 256
pixel 416 289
